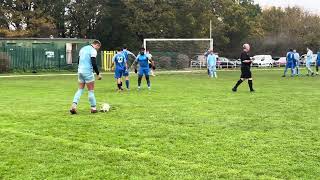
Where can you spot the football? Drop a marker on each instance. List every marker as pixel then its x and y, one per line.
pixel 105 107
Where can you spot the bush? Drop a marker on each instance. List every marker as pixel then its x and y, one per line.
pixel 4 62
pixel 164 62
pixel 182 61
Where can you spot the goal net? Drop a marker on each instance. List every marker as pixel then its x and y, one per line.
pixel 178 54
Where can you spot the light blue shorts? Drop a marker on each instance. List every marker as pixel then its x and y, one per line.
pixel 86 77
pixel 308 64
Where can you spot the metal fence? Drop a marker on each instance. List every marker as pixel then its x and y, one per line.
pixel 39 57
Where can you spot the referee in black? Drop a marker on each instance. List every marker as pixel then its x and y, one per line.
pixel 245 68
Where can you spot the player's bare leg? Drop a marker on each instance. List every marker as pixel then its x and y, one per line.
pixel 91 97
pixel 76 98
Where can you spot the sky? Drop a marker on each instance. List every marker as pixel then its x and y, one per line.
pixel 309 5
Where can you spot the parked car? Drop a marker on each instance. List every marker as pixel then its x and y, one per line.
pixel 236 62
pixel 282 61
pixel 198 60
pixel 224 62
pixel 263 61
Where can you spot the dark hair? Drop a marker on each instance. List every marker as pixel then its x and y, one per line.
pixel 142 49
pixel 291 50
pixel 96 42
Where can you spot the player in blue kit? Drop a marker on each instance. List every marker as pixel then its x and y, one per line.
pixel 120 62
pixel 126 53
pixel 86 65
pixel 142 59
pixel 318 63
pixel 290 63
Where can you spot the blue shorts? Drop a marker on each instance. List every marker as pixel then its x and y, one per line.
pixel 290 65
pixel 86 77
pixel 144 71
pixel 118 73
pixel 318 63
pixel 126 73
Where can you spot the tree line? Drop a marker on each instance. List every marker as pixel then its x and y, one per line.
pixel 120 23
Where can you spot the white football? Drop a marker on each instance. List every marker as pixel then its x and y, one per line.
pixel 105 107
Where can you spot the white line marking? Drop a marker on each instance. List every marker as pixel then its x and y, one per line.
pixel 110 73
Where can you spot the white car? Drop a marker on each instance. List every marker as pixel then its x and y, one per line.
pixel 263 60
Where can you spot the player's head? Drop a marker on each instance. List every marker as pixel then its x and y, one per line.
pixel 96 44
pixel 142 51
pixel 291 50
pixel 119 50
pixel 246 47
pixel 294 51
pixel 211 50
pixel 124 48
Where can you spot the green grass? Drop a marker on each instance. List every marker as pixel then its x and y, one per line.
pixel 186 127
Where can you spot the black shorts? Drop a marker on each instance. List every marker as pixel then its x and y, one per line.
pixel 245 73
pixel 150 65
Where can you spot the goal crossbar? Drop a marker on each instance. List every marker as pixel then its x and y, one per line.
pixel 166 39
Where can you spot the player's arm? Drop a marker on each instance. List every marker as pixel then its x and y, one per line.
pixel 134 64
pixel 129 52
pixel 152 63
pixel 113 59
pixel 246 59
pixel 94 63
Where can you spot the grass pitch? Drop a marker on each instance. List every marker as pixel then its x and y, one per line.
pixel 187 127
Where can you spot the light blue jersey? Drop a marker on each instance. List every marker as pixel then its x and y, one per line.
pixel 126 53
pixel 212 59
pixel 85 54
pixel 309 57
pixel 296 56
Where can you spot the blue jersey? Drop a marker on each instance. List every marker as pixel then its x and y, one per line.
pixel 143 61
pixel 290 57
pixel 318 57
pixel 212 59
pixel 120 61
pixel 85 55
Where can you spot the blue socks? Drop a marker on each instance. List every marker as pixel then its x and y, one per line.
pixel 77 96
pixel 127 84
pixel 92 99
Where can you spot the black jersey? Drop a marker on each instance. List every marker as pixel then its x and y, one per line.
pixel 245 56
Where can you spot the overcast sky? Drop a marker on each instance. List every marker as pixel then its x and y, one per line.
pixel 310 5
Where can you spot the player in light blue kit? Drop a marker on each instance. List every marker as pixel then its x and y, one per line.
pixel 297 62
pixel 308 62
pixel 142 59
pixel 86 65
pixel 212 63
pixel 126 53
pixel 290 63
pixel 120 61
